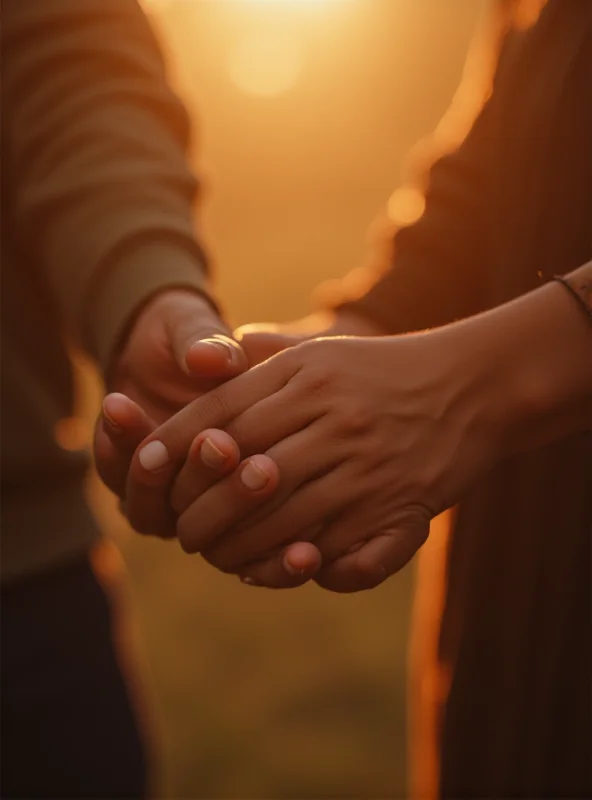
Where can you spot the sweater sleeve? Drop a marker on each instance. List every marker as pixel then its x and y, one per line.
pixel 431 272
pixel 94 144
pixel 434 271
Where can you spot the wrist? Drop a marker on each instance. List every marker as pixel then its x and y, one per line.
pixel 530 367
pixel 168 300
pixel 132 282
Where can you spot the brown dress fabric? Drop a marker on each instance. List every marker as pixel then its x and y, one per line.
pixel 516 632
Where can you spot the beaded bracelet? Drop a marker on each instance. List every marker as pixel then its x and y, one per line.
pixel 580 290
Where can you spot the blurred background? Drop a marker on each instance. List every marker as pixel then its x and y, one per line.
pixel 304 111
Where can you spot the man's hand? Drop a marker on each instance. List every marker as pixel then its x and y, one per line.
pixel 260 341
pixel 124 425
pixel 177 349
pixel 372 438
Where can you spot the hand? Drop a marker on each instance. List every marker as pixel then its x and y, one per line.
pixel 260 341
pixel 151 376
pixel 372 438
pixel 177 349
pixel 214 454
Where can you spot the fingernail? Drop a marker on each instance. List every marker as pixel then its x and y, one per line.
pixel 211 455
pixel 153 456
pixel 253 478
pixel 249 581
pixel 229 351
pixel 291 570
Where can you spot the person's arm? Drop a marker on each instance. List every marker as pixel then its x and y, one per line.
pixel 431 272
pixel 535 357
pixel 95 163
pixel 97 190
pixel 421 276
pixel 378 435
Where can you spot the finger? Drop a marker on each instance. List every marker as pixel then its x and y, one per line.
pixel 290 567
pixel 260 342
pixel 308 506
pixel 299 459
pixel 348 532
pixel 200 341
pixel 257 430
pixel 216 356
pixel 212 455
pixel 121 426
pixel 273 419
pixel 249 486
pixel 373 563
pixel 158 460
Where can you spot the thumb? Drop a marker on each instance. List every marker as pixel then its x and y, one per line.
pixel 201 342
pixel 260 342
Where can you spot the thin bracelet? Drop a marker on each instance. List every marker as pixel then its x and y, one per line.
pixel 582 292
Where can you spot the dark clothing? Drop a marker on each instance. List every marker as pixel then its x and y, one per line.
pixel 97 207
pixel 507 211
pixel 68 730
pixel 96 217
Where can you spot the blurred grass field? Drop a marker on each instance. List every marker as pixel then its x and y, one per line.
pixel 260 694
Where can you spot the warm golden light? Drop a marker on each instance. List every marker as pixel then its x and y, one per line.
pixel 265 64
pixel 72 433
pixel 406 206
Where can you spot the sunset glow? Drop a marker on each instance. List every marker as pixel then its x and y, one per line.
pixel 265 64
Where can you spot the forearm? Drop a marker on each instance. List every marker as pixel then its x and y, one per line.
pixel 102 195
pixel 531 362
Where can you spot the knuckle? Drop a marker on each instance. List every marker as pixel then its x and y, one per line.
pixel 217 403
pixel 316 381
pixel 210 410
pixel 356 418
pixel 241 434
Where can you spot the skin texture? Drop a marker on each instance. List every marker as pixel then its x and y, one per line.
pixel 178 349
pixel 371 437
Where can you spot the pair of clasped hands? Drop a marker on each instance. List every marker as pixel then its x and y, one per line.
pixel 280 454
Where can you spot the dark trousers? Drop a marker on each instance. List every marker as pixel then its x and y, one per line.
pixel 68 729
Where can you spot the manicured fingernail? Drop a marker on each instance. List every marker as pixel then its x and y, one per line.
pixel 249 581
pixel 253 478
pixel 211 455
pixel 153 456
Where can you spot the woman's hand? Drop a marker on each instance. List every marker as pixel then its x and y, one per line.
pixel 363 433
pixel 371 437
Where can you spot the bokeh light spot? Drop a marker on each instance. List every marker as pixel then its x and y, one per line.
pixel 406 206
